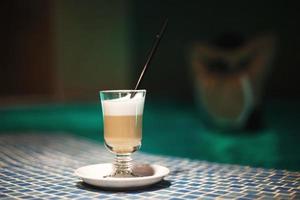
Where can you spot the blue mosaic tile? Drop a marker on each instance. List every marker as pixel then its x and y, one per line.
pixel 191 197
pixel 243 198
pixel 220 192
pixel 36 166
pixel 3 196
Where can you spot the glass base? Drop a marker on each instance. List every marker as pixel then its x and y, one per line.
pixel 122 167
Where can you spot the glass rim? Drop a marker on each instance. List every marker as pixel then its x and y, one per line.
pixel 122 91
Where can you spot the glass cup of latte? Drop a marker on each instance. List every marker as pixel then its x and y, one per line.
pixel 122 119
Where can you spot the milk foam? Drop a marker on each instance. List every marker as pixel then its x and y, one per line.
pixel 124 106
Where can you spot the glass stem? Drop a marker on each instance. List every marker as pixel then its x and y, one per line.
pixel 122 166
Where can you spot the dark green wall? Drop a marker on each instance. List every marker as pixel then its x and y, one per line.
pixel 191 21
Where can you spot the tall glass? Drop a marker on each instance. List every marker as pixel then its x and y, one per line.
pixel 122 119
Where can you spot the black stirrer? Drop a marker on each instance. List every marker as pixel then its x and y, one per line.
pixel 151 54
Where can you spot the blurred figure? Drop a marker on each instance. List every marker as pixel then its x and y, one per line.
pixel 229 76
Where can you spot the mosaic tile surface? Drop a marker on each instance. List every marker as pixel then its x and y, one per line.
pixel 36 166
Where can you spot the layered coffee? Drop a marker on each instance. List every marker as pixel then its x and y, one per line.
pixel 123 123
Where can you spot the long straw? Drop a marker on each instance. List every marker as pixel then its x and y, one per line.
pixel 152 52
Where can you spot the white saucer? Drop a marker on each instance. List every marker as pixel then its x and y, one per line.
pixel 96 175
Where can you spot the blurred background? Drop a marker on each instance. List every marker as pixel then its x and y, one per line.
pixel 56 56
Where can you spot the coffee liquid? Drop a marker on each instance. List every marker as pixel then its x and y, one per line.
pixel 123 134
